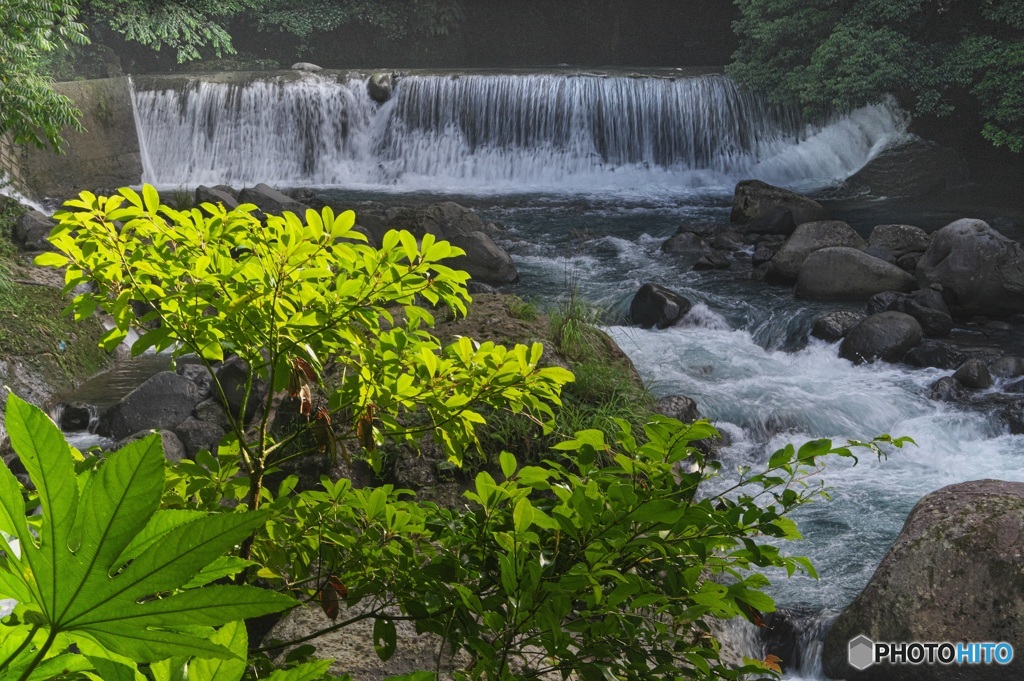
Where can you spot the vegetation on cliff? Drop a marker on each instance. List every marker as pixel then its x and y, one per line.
pixel 938 57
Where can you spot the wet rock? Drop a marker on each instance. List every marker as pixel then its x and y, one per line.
pixel 900 239
pixel 806 239
pixel 936 354
pixel 306 66
pixel 764 252
pixel 271 201
pixel 31 231
pixel 953 574
pixel 926 306
pixel 679 407
pixel 485 260
pixel 980 270
pixel 886 335
pixel 75 418
pixel 833 326
pixel 1012 415
pixel 214 195
pixel 196 435
pixel 947 389
pixel 657 306
pixel 380 86
pixel 754 198
pixel 728 241
pixel 306 197
pixel 712 260
pixel 1009 366
pixel 685 244
pixel 162 402
pixel 974 374
pixel 842 272
pixel 174 451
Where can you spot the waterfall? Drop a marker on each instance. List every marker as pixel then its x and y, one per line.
pixel 465 133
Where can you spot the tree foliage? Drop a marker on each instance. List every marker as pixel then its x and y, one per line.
pixel 30 111
pixel 935 55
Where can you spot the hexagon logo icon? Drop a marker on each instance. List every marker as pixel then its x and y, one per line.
pixel 862 653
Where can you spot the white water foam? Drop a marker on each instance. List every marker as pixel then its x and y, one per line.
pixel 641 137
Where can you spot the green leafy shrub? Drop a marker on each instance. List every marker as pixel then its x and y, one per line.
pixel 103 569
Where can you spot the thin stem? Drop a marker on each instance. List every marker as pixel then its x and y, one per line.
pixel 39 656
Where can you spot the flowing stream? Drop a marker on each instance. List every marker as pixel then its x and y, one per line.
pixel 589 174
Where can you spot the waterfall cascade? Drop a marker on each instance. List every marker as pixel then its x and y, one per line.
pixel 496 132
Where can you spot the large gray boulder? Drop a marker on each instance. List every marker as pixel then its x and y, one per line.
pixel 980 270
pixel 214 195
pixel 657 306
pixel 174 451
pixel 32 230
pixel 842 272
pixel 380 86
pixel 953 574
pixel 754 198
pixel 486 261
pixel 806 239
pixel 900 239
pixel 886 335
pixel 161 403
pixel 833 326
pixel 271 201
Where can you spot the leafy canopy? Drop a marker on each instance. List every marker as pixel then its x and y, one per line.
pixel 103 568
pixel 935 55
pixel 30 111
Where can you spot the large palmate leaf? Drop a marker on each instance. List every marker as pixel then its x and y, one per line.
pixel 103 567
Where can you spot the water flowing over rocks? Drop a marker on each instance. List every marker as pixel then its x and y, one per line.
pixel 380 86
pixel 806 239
pixel 843 272
pixel 886 335
pixel 657 306
pixel 953 574
pixel 914 168
pixel 980 270
pixel 754 198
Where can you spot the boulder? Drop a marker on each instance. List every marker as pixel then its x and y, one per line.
pixel 306 197
pixel 936 354
pixel 953 574
pixel 214 195
pixel 915 168
pixel 232 376
pixel 162 402
pixel 833 326
pixel 842 272
pixel 1013 416
pixel 212 411
pixel 198 374
pixel 909 261
pixel 306 66
pixel 686 244
pixel 806 239
pixel 679 407
pixel 754 198
pixel 271 201
pixel 712 260
pixel 900 239
pixel 657 306
pixel 881 253
pixel 31 231
pixel 974 374
pixel 926 306
pixel 1009 366
pixel 980 270
pixel 728 240
pixel 764 252
pixel 947 389
pixel 380 86
pixel 485 260
pixel 777 220
pixel 74 417
pixel 886 335
pixel 174 451
pixel 196 435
